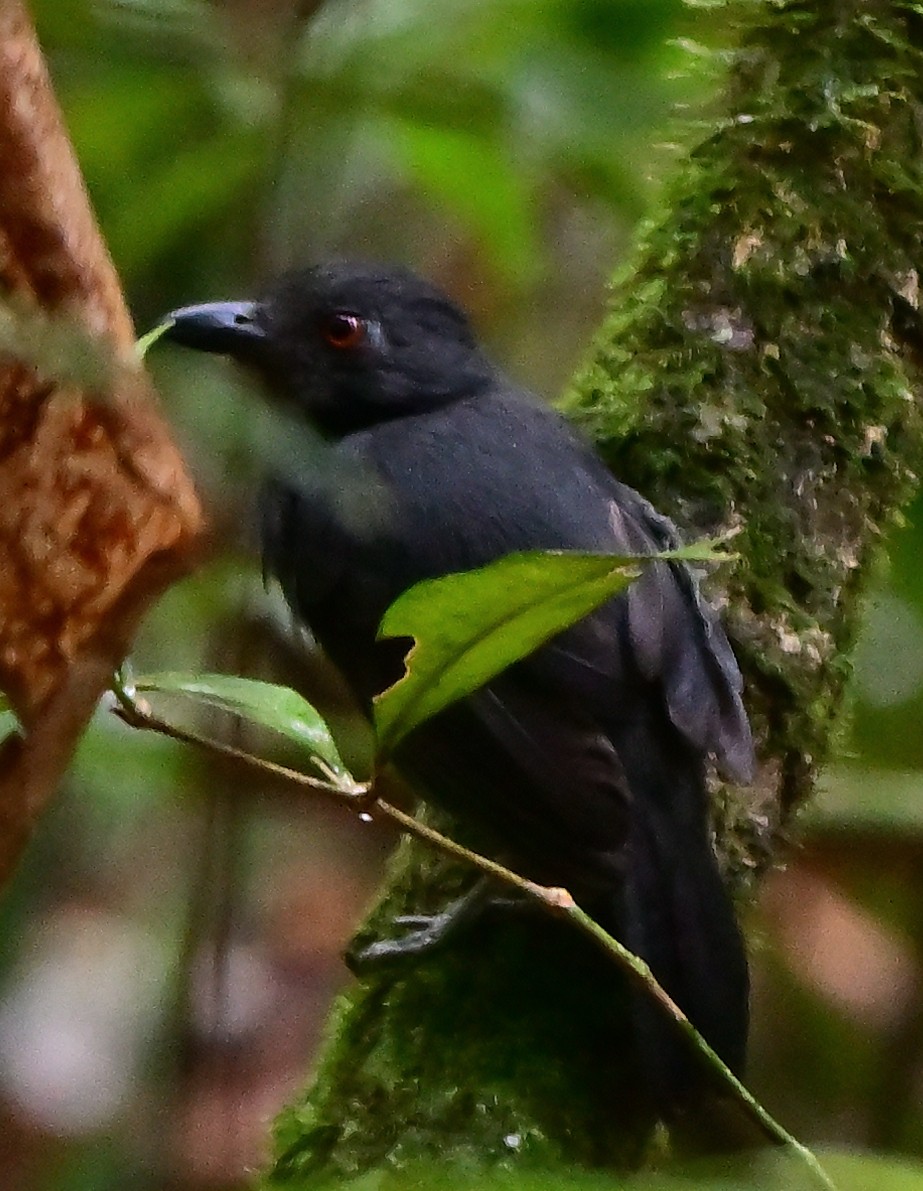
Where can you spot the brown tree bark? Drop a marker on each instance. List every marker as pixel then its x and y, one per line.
pixel 97 514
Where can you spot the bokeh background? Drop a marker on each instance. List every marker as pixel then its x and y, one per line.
pixel 171 946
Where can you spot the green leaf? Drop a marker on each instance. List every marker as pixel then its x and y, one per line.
pixel 276 707
pixel 146 342
pixel 468 627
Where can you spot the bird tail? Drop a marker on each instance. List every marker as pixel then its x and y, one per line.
pixel 676 914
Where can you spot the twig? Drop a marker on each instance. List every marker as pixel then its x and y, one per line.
pixel 138 714
pixel 638 971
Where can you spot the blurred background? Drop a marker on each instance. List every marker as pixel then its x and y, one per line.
pixel 170 949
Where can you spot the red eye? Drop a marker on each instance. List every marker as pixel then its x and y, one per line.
pixel 343 330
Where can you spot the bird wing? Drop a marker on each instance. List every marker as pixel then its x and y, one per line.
pixel 480 479
pixel 678 639
pixel 536 771
pixel 658 644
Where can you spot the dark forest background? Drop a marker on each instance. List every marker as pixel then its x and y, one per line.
pixel 170 949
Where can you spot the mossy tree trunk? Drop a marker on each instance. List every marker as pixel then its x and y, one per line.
pixel 758 372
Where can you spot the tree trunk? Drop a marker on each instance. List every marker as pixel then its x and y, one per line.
pixel 97 515
pixel 757 373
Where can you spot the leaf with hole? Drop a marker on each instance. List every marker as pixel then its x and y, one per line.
pixel 468 627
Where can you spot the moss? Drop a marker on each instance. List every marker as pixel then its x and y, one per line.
pixel 756 372
pixel 762 376
pixel 410 1052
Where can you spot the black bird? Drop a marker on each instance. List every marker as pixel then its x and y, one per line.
pixel 586 761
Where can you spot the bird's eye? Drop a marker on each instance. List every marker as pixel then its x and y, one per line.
pixel 343 330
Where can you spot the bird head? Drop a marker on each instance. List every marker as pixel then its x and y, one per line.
pixel 351 344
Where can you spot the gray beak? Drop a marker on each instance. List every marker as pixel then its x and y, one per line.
pixel 227 328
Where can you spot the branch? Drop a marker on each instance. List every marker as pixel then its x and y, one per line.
pixel 138 714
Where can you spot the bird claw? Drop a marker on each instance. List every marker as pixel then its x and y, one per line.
pixel 430 932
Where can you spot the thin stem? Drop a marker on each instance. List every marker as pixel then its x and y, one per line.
pixel 139 715
pixel 638 971
pixel 430 835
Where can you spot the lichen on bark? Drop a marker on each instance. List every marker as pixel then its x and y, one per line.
pixel 757 371
pixel 757 374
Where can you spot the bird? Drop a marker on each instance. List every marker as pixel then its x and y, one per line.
pixel 587 760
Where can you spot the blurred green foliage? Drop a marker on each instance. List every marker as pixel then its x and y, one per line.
pixel 769 1171
pixel 506 149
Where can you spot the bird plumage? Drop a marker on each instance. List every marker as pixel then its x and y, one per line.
pixel 586 760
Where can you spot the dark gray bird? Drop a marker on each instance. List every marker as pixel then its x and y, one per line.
pixel 586 761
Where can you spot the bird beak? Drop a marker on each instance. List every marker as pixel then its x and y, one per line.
pixel 226 328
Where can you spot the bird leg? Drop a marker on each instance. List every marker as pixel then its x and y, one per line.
pixel 429 932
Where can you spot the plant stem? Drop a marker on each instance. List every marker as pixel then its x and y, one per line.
pixel 138 714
